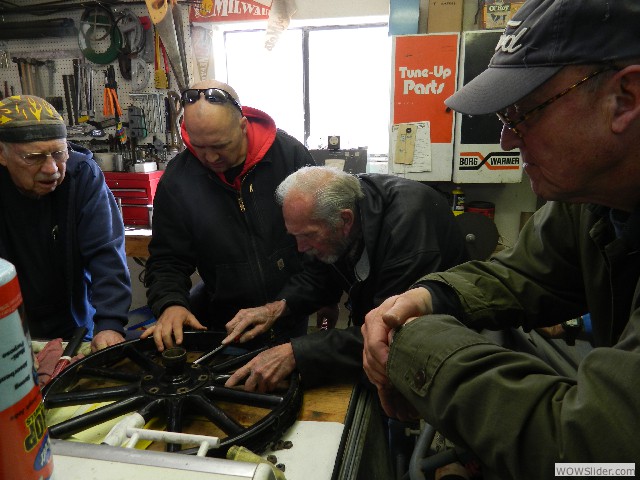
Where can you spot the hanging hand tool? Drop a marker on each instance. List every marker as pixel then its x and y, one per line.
pixel 160 78
pixel 167 18
pixel 51 66
pixel 75 90
pixel 111 105
pixel 29 82
pixel 66 79
pixel 18 62
pixel 176 116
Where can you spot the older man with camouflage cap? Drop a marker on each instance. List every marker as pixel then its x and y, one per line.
pixel 61 227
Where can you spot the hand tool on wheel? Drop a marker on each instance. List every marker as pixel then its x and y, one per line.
pixel 70 351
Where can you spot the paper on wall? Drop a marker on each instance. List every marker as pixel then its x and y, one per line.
pixel 411 147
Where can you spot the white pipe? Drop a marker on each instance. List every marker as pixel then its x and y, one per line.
pixel 206 442
pixel 118 434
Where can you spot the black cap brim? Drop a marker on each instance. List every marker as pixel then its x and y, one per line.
pixel 498 87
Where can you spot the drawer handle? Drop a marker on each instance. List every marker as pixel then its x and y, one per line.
pixel 128 190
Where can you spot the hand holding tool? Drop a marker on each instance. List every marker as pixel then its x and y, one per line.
pixel 70 351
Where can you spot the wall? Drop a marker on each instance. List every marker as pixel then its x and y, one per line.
pixel 511 200
pixel 313 9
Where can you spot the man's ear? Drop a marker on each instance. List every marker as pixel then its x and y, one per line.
pixel 627 99
pixel 347 218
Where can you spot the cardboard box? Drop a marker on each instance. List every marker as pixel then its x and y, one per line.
pixel 496 13
pixel 444 16
pixel 478 157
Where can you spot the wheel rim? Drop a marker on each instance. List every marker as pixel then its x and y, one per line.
pixel 135 377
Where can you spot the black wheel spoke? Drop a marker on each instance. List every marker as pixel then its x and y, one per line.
pixel 109 374
pixel 142 361
pixel 217 416
pixel 174 419
pixel 95 417
pixel 254 399
pixel 82 397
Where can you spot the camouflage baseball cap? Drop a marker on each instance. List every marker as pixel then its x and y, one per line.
pixel 27 118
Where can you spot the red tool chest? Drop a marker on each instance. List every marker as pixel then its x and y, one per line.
pixel 135 192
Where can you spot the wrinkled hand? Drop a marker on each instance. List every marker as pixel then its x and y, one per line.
pixel 253 321
pixel 267 371
pixel 170 325
pixel 105 339
pixel 378 327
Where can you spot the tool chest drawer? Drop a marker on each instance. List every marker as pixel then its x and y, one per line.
pixel 133 185
pixel 134 193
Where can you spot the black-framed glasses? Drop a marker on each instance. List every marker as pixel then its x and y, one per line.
pixel 212 95
pixel 38 158
pixel 512 124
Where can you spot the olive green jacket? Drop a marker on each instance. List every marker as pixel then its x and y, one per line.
pixel 510 409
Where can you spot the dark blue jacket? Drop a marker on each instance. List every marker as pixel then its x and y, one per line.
pixel 90 239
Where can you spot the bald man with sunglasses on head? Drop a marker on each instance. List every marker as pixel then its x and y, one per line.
pixel 215 212
pixel 61 228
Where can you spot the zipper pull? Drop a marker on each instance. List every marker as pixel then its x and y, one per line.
pixel 241 203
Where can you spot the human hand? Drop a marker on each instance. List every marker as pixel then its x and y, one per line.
pixel 104 339
pixel 378 327
pixel 266 371
pixel 170 325
pixel 395 405
pixel 327 317
pixel 258 320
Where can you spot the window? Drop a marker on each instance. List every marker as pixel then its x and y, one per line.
pixel 342 87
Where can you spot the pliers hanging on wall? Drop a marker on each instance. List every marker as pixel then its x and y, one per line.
pixel 111 107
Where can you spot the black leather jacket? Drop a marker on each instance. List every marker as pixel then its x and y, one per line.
pixel 408 230
pixel 235 239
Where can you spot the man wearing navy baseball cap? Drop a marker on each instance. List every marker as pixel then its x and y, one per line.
pixel 565 82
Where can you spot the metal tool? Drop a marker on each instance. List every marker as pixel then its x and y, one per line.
pixel 167 18
pixel 209 355
pixel 70 351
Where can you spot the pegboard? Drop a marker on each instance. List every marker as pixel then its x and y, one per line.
pixel 61 53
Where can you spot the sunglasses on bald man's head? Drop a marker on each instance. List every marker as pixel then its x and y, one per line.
pixel 211 95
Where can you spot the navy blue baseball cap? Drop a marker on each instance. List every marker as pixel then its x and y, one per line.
pixel 543 37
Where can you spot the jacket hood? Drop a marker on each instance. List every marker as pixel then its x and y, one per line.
pixel 261 133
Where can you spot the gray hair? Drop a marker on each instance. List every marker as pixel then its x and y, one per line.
pixel 332 190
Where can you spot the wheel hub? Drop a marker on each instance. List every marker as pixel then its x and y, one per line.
pixel 178 377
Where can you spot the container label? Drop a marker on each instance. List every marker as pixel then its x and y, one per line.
pixel 25 452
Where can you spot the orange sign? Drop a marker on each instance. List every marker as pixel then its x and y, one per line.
pixel 229 11
pixel 425 72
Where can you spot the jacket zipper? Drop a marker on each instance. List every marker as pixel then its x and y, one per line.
pixel 251 235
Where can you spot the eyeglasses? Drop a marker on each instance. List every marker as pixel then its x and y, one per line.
pixel 212 95
pixel 511 124
pixel 59 156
